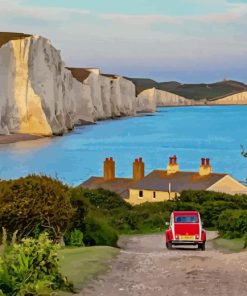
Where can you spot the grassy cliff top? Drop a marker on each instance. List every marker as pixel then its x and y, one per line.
pixel 192 91
pixel 5 37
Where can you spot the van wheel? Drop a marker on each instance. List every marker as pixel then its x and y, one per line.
pixel 202 246
pixel 169 245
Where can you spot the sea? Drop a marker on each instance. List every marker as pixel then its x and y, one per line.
pixel 190 133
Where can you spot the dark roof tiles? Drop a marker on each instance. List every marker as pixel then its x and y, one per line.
pixel 160 180
pixel 118 185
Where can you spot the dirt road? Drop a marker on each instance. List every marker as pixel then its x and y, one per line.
pixel 144 267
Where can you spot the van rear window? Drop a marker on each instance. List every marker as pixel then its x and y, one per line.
pixel 186 219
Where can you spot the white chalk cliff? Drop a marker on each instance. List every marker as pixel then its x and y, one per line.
pixel 236 99
pixel 149 99
pixel 38 95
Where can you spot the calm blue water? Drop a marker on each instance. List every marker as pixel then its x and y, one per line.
pixel 190 133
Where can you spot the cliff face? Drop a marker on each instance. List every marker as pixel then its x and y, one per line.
pixel 151 98
pixel 38 95
pixel 111 96
pixel 236 99
pixel 147 100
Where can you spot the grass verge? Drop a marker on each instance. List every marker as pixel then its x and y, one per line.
pixel 82 264
pixel 229 245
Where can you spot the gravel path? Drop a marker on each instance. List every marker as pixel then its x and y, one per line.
pixel 144 267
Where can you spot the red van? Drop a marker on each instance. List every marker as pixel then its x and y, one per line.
pixel 185 229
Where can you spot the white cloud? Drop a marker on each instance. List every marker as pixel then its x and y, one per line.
pixel 127 43
pixel 232 12
pixel 15 8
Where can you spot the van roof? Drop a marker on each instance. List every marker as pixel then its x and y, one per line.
pixel 185 213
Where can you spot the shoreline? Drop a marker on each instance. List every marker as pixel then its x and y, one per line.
pixel 16 138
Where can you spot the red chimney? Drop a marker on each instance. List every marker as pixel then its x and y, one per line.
pixel 174 159
pixel 138 169
pixel 208 161
pixel 203 161
pixel 109 169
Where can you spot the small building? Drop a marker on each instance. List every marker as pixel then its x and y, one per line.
pixel 162 185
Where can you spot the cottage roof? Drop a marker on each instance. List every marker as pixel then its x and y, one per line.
pixel 159 180
pixel 118 185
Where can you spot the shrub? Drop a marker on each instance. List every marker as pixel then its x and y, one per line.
pixel 99 232
pixel 105 199
pixel 232 223
pixel 34 204
pixel 74 238
pixel 82 207
pixel 31 268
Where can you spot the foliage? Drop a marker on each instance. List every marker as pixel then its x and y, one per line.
pixel 31 268
pixel 74 238
pixel 82 207
pixel 233 223
pixel 99 232
pixel 105 199
pixel 34 204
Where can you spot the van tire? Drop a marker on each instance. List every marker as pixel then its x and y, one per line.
pixel 202 246
pixel 169 245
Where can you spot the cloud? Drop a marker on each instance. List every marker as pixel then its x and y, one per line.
pixel 16 8
pixel 232 12
pixel 145 44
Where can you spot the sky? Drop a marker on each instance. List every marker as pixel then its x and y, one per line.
pixel 189 41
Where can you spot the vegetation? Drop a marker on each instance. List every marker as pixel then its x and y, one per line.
pixel 96 217
pixel 81 217
pixel 229 245
pixel 192 91
pixel 35 204
pixel 81 264
pixel 31 268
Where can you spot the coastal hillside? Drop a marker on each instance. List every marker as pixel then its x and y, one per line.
pixel 39 95
pixel 192 91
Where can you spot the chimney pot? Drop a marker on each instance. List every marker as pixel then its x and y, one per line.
pixel 205 167
pixel 173 166
pixel 138 169
pixel 109 169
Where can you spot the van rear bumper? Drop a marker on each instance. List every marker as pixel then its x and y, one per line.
pixel 187 242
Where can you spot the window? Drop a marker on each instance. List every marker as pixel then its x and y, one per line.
pixel 154 194
pixel 186 219
pixel 140 194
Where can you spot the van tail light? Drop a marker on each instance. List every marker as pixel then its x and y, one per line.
pixel 177 237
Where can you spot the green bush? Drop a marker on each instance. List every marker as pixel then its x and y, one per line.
pixel 99 232
pixel 31 268
pixel 35 204
pixel 74 238
pixel 105 199
pixel 232 223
